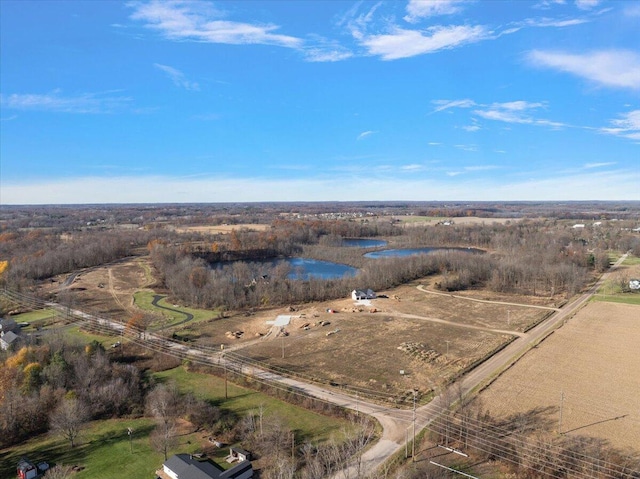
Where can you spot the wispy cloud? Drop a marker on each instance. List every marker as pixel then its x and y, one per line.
pixel 446 104
pixel 509 112
pixel 9 118
pixel 519 111
pixel 365 134
pixel 320 49
pixel 589 166
pixel 83 103
pixel 412 167
pixel 200 22
pixel 403 43
pixel 587 4
pixel 177 77
pixel 611 68
pixel 628 126
pixel 467 147
pixel 419 9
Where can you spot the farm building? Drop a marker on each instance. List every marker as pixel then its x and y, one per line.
pixel 185 466
pixel 7 340
pixel 358 294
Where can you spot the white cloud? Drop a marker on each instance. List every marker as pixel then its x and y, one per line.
pixel 628 126
pixel 553 22
pixel 587 4
pixel 200 22
pixel 55 102
pixel 446 104
pixel 402 43
pixel 418 9
pixel 177 77
pixel 612 68
pixel 365 134
pixel 471 128
pixel 321 49
pixel 509 112
pixel 412 167
pixel 589 166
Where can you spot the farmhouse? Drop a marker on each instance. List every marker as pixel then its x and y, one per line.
pixel 7 325
pixel 8 339
pixel 184 466
pixel 359 294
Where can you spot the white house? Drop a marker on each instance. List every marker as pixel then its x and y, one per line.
pixel 359 294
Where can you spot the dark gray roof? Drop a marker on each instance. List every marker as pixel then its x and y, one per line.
pixel 186 467
pixel 9 337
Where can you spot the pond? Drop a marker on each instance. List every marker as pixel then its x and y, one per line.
pixel 394 253
pixel 363 243
pixel 299 268
pixel 305 268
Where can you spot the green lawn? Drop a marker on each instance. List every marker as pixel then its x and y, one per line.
pixel 144 298
pixel 626 298
pixel 308 425
pixel 84 337
pixel 631 260
pixel 103 450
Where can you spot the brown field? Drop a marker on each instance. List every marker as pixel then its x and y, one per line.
pixel 222 228
pixel 594 360
pixel 430 336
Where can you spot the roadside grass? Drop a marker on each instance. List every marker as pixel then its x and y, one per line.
pixel 84 337
pixel 103 450
pixel 631 260
pixel 625 298
pixel 307 425
pixel 38 319
pixel 143 300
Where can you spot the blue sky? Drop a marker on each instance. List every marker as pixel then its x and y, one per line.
pixel 176 101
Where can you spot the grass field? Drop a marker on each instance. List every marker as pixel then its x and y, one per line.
pixel 307 425
pixel 103 451
pixel 143 300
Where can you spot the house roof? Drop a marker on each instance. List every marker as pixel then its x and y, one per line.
pixel 7 324
pixel 9 337
pixel 186 467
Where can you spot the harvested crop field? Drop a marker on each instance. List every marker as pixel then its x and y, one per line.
pixel 592 366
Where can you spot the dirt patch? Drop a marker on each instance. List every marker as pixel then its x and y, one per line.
pixel 591 366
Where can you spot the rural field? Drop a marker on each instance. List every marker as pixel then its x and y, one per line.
pixel 430 336
pixel 591 366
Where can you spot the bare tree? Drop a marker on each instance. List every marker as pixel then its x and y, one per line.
pixel 59 472
pixel 163 437
pixel 68 419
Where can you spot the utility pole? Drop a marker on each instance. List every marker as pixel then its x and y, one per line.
pixel 508 317
pixel 226 393
pixel 413 444
pixel 447 341
pixel 130 432
pixel 560 418
pixel 357 412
